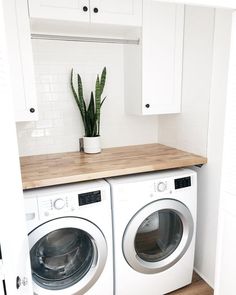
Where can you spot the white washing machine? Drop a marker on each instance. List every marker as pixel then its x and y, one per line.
pixel 154 219
pixel 70 239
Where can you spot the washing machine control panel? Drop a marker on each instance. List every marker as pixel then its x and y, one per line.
pixel 52 205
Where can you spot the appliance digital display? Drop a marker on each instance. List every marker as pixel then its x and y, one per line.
pixel 89 198
pixel 182 182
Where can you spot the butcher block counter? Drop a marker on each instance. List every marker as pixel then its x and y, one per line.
pixel 54 169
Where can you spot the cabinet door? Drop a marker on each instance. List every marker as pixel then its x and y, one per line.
pixel 225 279
pixel 14 254
pixel 21 59
pixel 69 10
pixel 162 48
pixel 117 12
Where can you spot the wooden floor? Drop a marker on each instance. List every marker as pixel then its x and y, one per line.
pixel 198 287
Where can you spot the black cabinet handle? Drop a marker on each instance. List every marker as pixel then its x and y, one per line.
pixel 18 282
pixel 147 105
pixel 32 110
pixel 85 8
pixel 95 10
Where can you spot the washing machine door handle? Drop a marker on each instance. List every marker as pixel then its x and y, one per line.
pixel 158 236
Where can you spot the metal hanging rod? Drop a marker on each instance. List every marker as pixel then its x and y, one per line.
pixel 83 39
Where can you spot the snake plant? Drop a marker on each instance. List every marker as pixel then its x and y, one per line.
pixel 90 113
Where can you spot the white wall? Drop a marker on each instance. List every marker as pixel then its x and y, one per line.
pixel 59 127
pixel 199 128
pixel 188 130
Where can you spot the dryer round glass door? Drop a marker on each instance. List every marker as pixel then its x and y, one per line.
pixel 157 236
pixel 67 255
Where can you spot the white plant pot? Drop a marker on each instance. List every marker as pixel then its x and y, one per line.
pixel 92 145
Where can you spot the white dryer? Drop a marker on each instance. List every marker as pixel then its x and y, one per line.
pixel 154 219
pixel 70 239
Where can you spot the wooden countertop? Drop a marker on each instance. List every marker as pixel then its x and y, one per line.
pixel 53 169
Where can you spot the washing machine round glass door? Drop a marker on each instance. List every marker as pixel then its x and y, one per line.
pixel 158 236
pixel 67 255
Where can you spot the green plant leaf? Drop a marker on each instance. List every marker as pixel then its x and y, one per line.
pixel 88 131
pixel 91 107
pixel 91 119
pixel 98 101
pixel 81 95
pixel 77 98
pixel 72 86
pixel 103 80
pixel 98 92
pixel 92 115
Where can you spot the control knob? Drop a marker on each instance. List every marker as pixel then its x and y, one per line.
pixel 161 186
pixel 59 204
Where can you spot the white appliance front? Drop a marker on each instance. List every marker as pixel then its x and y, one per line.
pixel 70 239
pixel 154 217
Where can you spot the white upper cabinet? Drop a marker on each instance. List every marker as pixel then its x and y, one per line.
pixel 71 10
pixel 154 70
pixel 162 57
pixel 117 12
pixel 20 59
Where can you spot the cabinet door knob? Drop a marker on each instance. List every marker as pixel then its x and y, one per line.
pixel 32 110
pixel 95 10
pixel 147 105
pixel 85 8
pixel 21 282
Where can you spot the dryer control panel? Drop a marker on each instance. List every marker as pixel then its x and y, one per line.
pixel 165 186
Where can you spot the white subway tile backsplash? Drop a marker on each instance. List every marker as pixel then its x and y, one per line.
pixel 37 133
pixel 59 126
pixel 44 124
